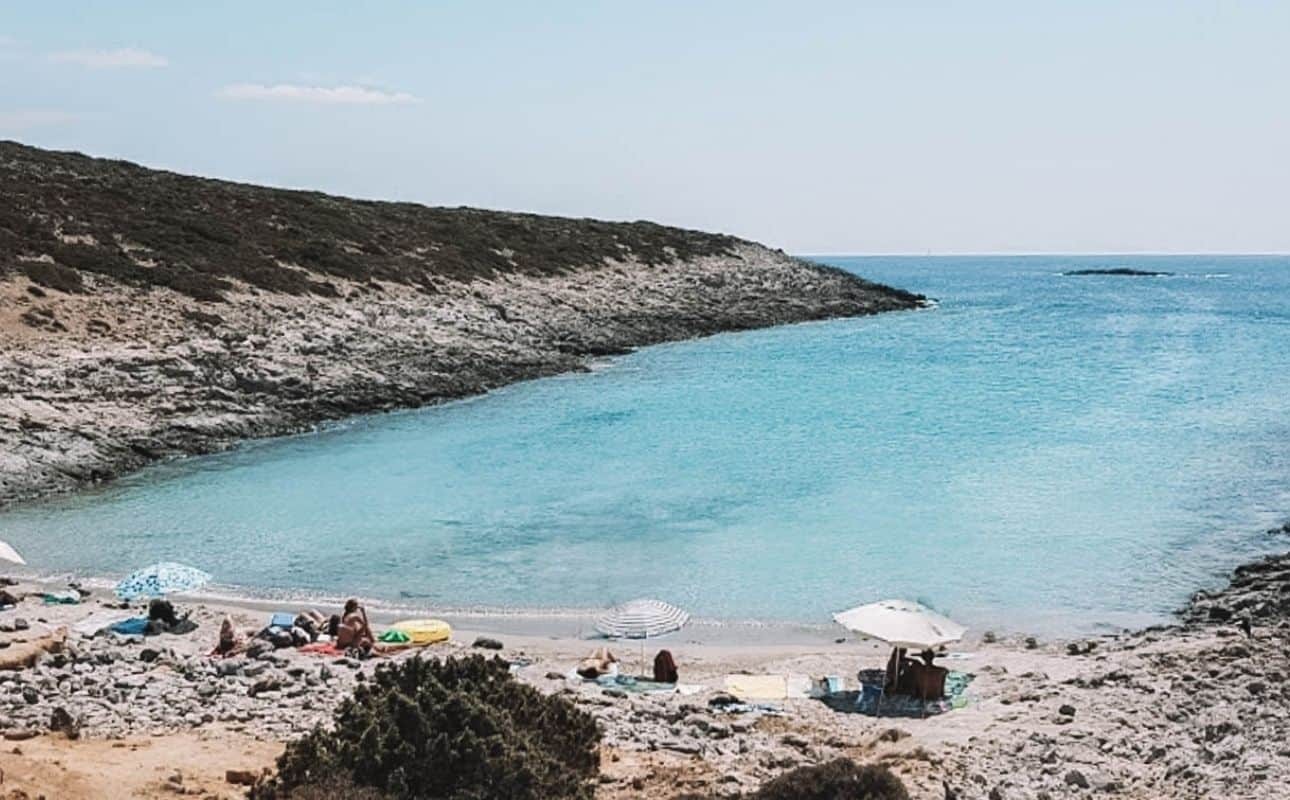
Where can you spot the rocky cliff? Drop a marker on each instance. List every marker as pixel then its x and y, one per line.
pixel 145 314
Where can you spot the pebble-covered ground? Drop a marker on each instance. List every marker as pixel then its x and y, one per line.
pixel 1196 710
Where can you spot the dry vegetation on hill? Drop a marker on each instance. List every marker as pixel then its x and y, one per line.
pixel 145 314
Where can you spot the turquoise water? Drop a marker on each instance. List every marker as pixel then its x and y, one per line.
pixel 1039 452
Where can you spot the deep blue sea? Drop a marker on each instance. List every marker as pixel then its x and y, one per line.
pixel 1038 452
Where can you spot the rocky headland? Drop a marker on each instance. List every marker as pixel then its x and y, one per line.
pixel 146 315
pixel 1125 272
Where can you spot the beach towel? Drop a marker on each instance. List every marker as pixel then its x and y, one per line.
pixel 133 626
pixel 873 701
pixel 61 598
pixel 758 687
pixel 641 685
pixel 321 649
pixel 97 622
pixel 797 686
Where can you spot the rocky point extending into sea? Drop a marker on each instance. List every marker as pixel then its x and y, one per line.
pixel 145 315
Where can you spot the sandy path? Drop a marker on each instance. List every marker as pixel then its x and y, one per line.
pixel 96 769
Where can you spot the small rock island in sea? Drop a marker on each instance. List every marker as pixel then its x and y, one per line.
pixel 145 314
pixel 1123 271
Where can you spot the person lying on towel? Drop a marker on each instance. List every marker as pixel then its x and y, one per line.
pixel 600 662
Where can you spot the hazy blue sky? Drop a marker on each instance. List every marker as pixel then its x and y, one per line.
pixel 815 126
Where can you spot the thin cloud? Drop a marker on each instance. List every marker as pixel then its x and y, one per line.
pixel 27 119
pixel 110 59
pixel 317 95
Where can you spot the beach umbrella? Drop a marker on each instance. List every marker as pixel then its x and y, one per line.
pixel 7 553
pixel 902 624
pixel 641 619
pixel 161 579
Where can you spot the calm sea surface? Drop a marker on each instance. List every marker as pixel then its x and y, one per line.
pixel 1039 452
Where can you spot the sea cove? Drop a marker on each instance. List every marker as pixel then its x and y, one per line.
pixel 1039 452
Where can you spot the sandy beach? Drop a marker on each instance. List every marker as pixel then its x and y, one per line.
pixel 1195 709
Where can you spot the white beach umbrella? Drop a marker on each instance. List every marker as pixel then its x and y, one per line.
pixel 7 553
pixel 901 623
pixel 642 619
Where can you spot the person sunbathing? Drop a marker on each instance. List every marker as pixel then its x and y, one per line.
pixel 312 622
pixel 600 662
pixel 353 629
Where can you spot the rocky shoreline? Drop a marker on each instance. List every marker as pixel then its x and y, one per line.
pixel 1196 709
pixel 198 313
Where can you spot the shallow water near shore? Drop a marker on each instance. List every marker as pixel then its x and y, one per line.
pixel 1039 452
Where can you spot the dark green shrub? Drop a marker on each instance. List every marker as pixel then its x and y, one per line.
pixel 462 729
pixel 53 276
pixel 335 787
pixel 202 233
pixel 840 779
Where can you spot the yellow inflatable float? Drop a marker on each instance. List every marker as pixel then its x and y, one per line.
pixel 423 631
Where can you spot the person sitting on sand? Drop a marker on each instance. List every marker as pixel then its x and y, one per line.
pixel 665 667
pixel 901 672
pixel 600 662
pixel 230 641
pixel 354 629
pixel 162 618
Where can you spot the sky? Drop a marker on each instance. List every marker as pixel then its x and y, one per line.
pixel 818 127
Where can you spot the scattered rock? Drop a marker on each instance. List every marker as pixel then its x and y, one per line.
pixel 241 777
pixel 62 721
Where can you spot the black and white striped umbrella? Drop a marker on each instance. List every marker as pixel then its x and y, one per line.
pixel 641 619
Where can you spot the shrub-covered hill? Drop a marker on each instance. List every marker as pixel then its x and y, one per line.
pixel 145 314
pixel 194 235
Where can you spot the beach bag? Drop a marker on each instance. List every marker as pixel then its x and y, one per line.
pixel 280 638
pixel 282 619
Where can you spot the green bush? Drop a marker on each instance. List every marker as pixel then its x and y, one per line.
pixel 53 276
pixel 462 729
pixel 202 234
pixel 840 779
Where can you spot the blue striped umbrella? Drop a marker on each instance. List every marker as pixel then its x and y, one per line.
pixel 161 579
